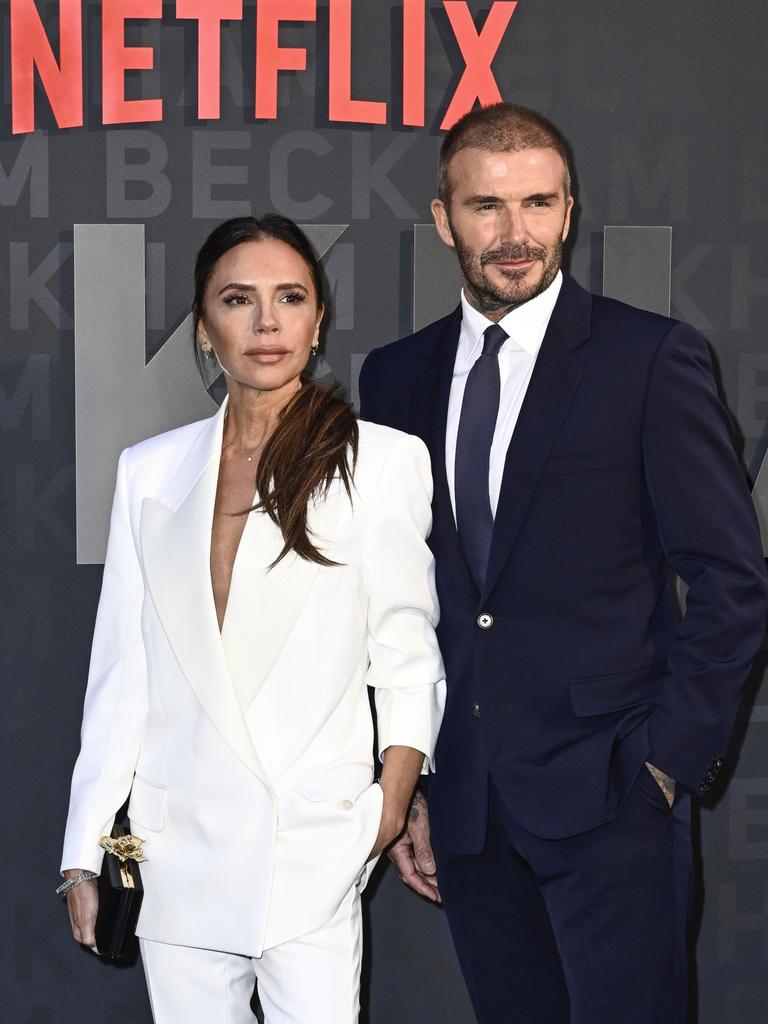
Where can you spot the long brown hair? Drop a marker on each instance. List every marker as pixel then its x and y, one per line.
pixel 316 438
pixel 315 441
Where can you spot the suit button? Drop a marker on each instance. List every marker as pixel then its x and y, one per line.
pixel 345 805
pixel 476 710
pixel 484 620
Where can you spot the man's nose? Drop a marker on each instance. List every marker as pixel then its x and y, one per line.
pixel 513 227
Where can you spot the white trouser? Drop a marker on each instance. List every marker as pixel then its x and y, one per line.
pixel 314 979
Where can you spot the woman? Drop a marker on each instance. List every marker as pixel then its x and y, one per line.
pixel 264 567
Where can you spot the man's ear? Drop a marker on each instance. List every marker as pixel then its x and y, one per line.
pixel 567 221
pixel 440 215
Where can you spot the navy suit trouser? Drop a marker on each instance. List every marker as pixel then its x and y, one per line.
pixel 584 930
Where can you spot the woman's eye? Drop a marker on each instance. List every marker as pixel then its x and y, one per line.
pixel 293 298
pixel 236 300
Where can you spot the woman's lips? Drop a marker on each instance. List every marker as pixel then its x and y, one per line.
pixel 266 355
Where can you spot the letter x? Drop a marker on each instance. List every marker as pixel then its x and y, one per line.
pixel 478 51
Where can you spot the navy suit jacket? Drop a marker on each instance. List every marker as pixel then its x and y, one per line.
pixel 573 666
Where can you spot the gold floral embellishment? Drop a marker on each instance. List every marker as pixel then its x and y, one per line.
pixel 124 847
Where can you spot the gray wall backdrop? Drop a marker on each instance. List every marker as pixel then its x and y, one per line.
pixel 664 105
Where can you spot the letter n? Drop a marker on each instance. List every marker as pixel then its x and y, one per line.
pixel 31 51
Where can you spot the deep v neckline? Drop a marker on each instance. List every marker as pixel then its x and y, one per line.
pixel 228 597
pixel 232 568
pixel 228 566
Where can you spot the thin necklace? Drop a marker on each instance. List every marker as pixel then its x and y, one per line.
pixel 249 458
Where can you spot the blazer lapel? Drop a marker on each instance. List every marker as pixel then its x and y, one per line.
pixel 431 391
pixel 176 544
pixel 556 377
pixel 264 604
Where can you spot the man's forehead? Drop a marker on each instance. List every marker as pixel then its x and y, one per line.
pixel 507 167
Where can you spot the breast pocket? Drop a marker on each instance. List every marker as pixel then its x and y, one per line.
pixel 147 805
pixel 586 460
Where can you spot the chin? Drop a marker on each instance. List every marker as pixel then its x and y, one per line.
pixel 259 381
pixel 269 383
pixel 523 279
pixel 523 286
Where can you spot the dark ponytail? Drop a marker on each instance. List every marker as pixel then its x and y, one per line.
pixel 315 441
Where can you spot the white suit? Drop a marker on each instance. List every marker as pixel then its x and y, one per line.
pixel 248 754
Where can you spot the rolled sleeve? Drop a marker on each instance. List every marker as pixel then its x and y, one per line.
pixel 405 667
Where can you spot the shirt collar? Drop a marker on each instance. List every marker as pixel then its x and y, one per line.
pixel 525 325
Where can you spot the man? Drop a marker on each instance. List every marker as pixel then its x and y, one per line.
pixel 579 452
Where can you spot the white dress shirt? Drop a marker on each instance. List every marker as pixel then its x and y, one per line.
pixel 526 327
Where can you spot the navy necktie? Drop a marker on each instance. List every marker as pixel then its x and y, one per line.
pixel 477 422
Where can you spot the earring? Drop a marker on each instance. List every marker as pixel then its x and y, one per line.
pixel 314 348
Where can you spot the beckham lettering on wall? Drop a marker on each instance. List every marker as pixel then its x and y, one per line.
pixel 61 73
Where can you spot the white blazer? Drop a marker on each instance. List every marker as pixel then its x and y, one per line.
pixel 248 754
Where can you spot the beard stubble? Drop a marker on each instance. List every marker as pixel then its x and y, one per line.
pixel 489 297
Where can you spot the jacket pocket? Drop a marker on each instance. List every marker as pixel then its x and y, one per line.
pixel 147 805
pixel 582 461
pixel 600 695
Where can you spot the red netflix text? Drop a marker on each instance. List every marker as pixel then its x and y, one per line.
pixel 61 73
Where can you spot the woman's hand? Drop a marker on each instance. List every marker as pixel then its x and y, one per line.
pixel 83 905
pixel 390 828
pixel 402 766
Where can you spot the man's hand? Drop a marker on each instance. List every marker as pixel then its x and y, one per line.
pixel 666 782
pixel 412 853
pixel 83 905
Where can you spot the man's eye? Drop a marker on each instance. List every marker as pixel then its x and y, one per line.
pixel 488 206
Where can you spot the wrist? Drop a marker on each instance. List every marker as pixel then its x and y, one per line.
pixel 392 817
pixel 74 877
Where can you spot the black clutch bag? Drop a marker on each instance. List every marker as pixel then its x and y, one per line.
pixel 120 893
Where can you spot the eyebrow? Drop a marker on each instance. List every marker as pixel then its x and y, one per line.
pixel 537 196
pixel 284 287
pixel 477 200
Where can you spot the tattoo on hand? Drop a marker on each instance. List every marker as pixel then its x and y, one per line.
pixel 666 782
pixel 416 804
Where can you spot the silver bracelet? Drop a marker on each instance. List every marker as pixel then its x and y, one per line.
pixel 84 876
